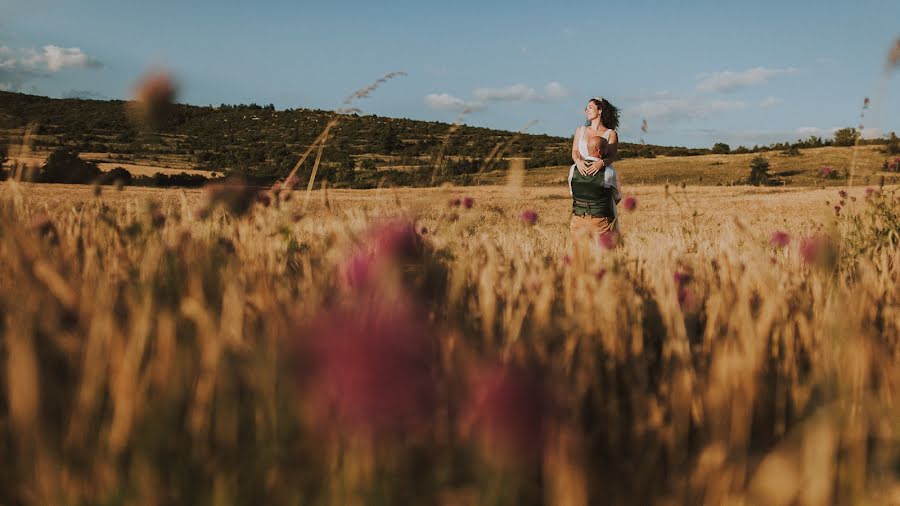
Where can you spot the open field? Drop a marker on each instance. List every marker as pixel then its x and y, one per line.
pixel 384 347
pixel 701 170
pixel 715 170
pixel 106 163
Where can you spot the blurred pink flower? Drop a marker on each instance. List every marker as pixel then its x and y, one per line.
pixel 454 202
pixel 818 250
pixel 681 278
pixel 837 210
pixel 609 240
pixel 629 203
pixel 468 202
pixel 686 299
pixel 358 270
pixel 370 366
pixel 601 273
pixel 529 216
pixel 508 407
pixel 842 194
pixel 396 238
pixel 780 239
pixel 872 192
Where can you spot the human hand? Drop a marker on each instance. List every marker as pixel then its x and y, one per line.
pixel 582 169
pixel 594 168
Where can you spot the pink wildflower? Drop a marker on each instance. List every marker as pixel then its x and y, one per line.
pixel 529 216
pixel 780 239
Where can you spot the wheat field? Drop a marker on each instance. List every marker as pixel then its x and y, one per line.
pixel 732 345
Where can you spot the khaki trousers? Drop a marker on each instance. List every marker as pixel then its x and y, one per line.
pixel 588 225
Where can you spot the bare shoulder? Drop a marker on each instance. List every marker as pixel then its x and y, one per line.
pixel 613 136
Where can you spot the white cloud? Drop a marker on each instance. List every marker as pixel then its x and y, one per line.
pixel 818 132
pixel 771 102
pixel 672 110
pixel 445 102
pixel 727 81
pixel 481 97
pixel 555 90
pixel 17 66
pixel 56 58
pixel 513 93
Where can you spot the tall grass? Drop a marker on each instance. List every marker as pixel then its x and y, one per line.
pixel 376 350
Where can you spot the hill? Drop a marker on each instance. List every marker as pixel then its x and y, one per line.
pixel 263 143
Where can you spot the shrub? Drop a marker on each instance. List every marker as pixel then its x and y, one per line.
pixel 119 174
pixel 845 137
pixel 827 172
pixel 720 148
pixel 64 166
pixel 892 147
pixel 759 170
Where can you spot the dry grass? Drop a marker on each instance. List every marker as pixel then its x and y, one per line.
pixel 168 165
pixel 151 357
pixel 713 170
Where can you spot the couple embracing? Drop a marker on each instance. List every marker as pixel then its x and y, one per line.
pixel 593 183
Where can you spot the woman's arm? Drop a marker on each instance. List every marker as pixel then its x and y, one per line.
pixel 576 154
pixel 608 155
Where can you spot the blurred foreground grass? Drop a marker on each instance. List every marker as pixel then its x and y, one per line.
pixel 384 347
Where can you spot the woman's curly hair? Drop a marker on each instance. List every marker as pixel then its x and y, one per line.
pixel 609 114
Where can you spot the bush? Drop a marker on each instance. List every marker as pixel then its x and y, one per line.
pixel 119 174
pixel 64 166
pixel 791 151
pixel 846 137
pixel 892 147
pixel 830 173
pixel 759 170
pixel 720 148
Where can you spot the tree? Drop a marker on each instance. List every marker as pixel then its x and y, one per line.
pixel 118 175
pixel 387 141
pixel 846 137
pixel 720 148
pixel 64 166
pixel 892 147
pixel 759 170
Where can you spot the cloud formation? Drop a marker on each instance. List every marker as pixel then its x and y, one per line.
pixel 514 93
pixel 668 110
pixel 481 97
pixel 448 102
pixel 728 81
pixel 18 66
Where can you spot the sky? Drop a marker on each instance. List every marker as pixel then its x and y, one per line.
pixel 698 72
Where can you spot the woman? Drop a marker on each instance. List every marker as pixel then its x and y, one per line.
pixel 593 183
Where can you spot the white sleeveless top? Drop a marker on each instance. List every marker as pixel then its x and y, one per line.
pixel 582 143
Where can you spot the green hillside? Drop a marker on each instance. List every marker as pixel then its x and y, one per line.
pixel 265 143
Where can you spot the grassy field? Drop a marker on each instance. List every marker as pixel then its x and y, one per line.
pixel 723 170
pixel 738 345
pixel 703 170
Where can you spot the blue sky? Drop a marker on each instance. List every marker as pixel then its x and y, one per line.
pixel 699 72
